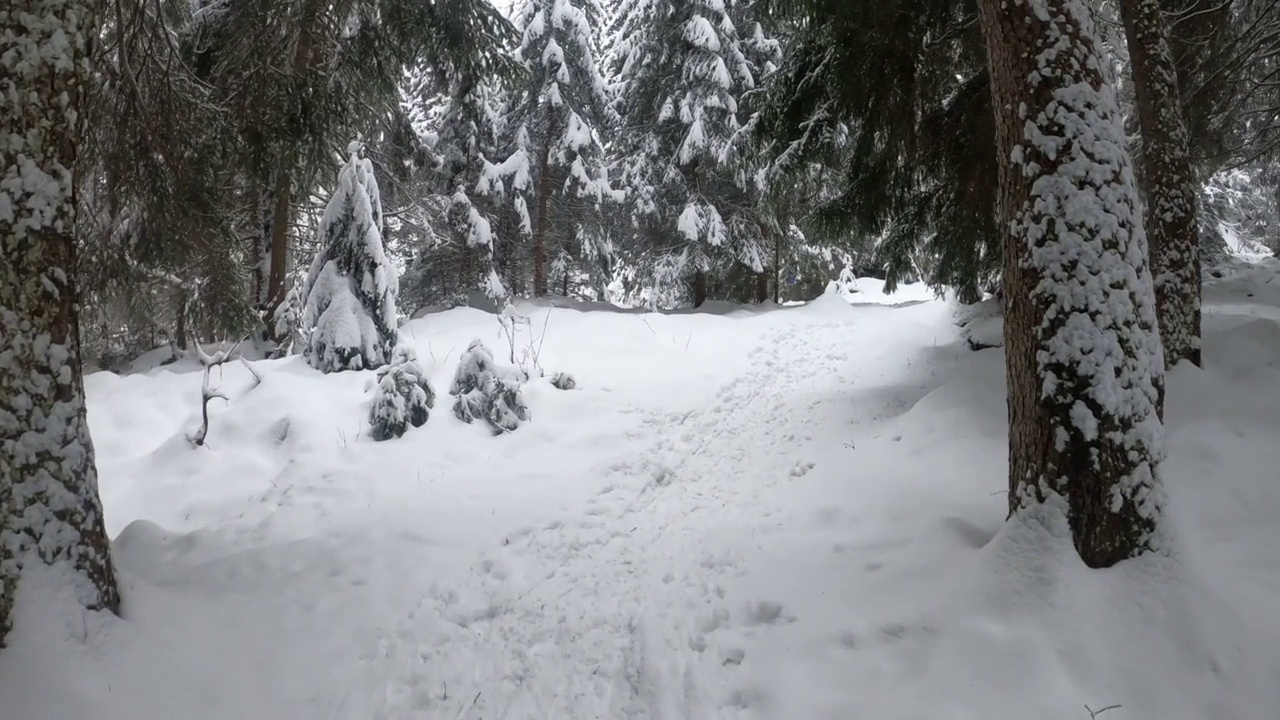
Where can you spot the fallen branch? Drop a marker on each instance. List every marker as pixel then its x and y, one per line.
pixel 207 393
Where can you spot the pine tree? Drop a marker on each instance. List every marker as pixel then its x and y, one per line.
pixel 49 506
pixel 1085 368
pixel 557 123
pixel 464 251
pixel 299 75
pixel 351 289
pixel 1173 230
pixel 681 72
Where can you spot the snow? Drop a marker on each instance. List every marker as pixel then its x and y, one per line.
pixel 761 512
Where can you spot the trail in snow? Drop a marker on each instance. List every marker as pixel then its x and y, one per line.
pixel 622 612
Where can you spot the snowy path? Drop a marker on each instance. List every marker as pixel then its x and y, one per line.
pixel 622 612
pixel 763 515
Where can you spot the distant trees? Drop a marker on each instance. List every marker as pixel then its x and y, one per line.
pixel 1085 367
pixel 682 70
pixel 49 507
pixel 556 128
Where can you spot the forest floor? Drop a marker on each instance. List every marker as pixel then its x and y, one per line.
pixel 784 513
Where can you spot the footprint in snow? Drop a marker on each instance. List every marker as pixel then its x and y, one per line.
pixel 801 469
pixel 766 612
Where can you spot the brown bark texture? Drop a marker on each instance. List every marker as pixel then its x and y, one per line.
pixel 1083 359
pixel 49 506
pixel 1173 235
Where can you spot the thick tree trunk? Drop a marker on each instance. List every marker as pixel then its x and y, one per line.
pixel 49 506
pixel 762 287
pixel 540 233
pixel 1083 356
pixel 1173 234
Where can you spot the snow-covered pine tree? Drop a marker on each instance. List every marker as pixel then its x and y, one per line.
pixel 467 249
pixel 1085 367
pixel 556 122
pixel 681 71
pixel 350 292
pixel 49 506
pixel 484 389
pixel 403 398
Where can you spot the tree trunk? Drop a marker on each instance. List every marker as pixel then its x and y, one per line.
pixel 181 331
pixel 278 279
pixel 1173 233
pixel 540 234
pixel 260 250
pixel 699 288
pixel 1082 352
pixel 762 287
pixel 777 269
pixel 277 195
pixel 49 506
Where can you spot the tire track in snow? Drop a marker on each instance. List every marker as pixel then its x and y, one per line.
pixel 622 613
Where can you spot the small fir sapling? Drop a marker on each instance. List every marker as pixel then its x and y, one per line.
pixel 403 398
pixel 486 390
pixel 351 290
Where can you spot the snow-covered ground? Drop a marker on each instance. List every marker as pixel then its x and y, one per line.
pixel 785 513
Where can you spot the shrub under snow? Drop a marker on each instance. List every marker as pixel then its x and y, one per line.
pixel 486 390
pixel 404 397
pixel 351 289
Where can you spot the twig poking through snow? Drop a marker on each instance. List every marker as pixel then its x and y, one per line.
pixel 1093 714
pixel 208 362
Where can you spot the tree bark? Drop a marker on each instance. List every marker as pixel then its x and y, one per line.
pixel 777 269
pixel 49 506
pixel 699 288
pixel 540 234
pixel 180 333
pixel 1082 352
pixel 1173 233
pixel 278 192
pixel 260 251
pixel 277 286
pixel 762 287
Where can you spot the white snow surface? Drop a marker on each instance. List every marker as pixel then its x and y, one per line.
pixel 783 513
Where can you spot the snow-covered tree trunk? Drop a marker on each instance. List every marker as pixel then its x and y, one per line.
pixel 1172 228
pixel 49 506
pixel 1085 367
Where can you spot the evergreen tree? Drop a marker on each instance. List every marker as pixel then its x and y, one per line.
pixel 681 72
pixel 556 123
pixel 403 398
pixel 1173 230
pixel 298 75
pixel 463 251
pixel 1085 368
pixel 49 506
pixel 350 292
